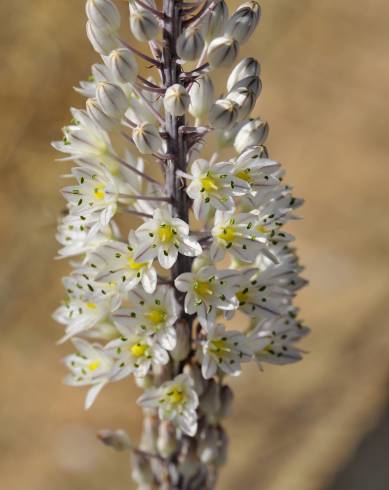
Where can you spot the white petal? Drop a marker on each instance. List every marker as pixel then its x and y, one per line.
pixel 92 394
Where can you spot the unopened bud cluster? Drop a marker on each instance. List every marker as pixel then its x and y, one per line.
pixel 158 300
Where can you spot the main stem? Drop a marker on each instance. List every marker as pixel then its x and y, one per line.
pixel 176 146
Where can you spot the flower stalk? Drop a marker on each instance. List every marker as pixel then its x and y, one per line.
pixel 157 303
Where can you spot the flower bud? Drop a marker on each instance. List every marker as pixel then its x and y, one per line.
pixel 167 440
pixel 243 21
pixel 213 23
pixel 190 44
pixel 182 348
pixel 117 439
pixel 207 447
pixel 141 469
pixel 226 137
pixel 102 41
pixel 253 84
pixel 222 51
pixel 147 138
pixel 188 460
pixel 148 441
pixel 111 99
pixel 226 400
pixel 204 259
pixel 162 373
pixel 144 382
pixel 221 458
pixel 99 117
pixel 194 371
pixel 201 96
pixel 176 100
pixel 144 25
pixel 103 14
pixel 248 67
pixel 123 65
pixel 252 133
pixel 252 153
pixel 245 100
pixel 223 113
pixel 210 401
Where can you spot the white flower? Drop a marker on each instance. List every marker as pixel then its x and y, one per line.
pixel 115 263
pixel 237 234
pixel 84 308
pixel 85 139
pixel 175 400
pixel 259 297
pixel 273 340
pixel 89 366
pixel 213 187
pixel 164 237
pixel 206 291
pixel 135 352
pixel 79 235
pixel 154 314
pixel 224 350
pixel 259 172
pixel 96 194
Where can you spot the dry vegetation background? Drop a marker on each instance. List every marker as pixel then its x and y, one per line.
pixel 319 425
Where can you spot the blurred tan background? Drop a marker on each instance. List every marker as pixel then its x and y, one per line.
pixel 320 425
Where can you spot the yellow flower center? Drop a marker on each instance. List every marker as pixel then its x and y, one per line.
pixel 228 234
pixel 261 229
pixel 176 396
pixel 203 288
pixel 209 184
pixel 93 365
pixel 244 175
pixel 138 350
pixel 166 233
pixel 99 191
pixel 135 265
pixel 242 296
pixel 156 316
pixel 91 306
pixel 219 347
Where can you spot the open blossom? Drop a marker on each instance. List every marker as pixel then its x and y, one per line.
pixel 135 352
pixel 96 194
pixel 213 187
pixel 273 340
pixel 114 262
pixel 80 235
pixel 207 291
pixel 164 237
pixel 224 350
pixel 175 400
pixel 237 234
pixel 89 366
pixel 153 314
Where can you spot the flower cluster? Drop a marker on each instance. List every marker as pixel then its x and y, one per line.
pixel 160 301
